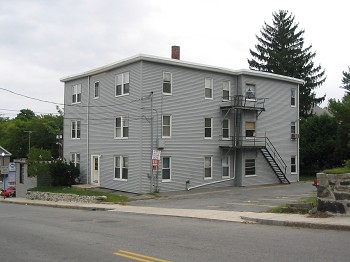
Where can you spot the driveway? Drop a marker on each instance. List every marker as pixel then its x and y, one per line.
pixel 251 199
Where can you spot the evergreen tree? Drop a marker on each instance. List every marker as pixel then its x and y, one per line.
pixel 281 51
pixel 346 81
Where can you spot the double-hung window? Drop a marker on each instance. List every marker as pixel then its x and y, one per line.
pixel 250 167
pixel 293 97
pixel 75 129
pixel 97 90
pixel 250 91
pixel 293 135
pixel 208 163
pixel 121 127
pixel 122 84
pixel 121 166
pixel 76 94
pixel 75 159
pixel 208 128
pixel 167 83
pixel 166 168
pixel 293 164
pixel 226 129
pixel 226 87
pixel 208 88
pixel 250 129
pixel 166 126
pixel 225 166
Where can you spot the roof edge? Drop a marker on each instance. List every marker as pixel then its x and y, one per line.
pixel 169 61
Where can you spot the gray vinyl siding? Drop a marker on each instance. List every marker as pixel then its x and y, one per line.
pixel 188 108
pixel 275 120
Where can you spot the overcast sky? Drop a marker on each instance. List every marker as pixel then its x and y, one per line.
pixel 42 41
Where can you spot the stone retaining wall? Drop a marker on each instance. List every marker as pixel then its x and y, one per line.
pixel 33 195
pixel 333 193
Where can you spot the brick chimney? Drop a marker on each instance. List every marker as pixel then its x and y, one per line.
pixel 175 52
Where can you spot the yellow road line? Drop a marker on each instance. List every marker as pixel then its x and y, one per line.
pixel 138 257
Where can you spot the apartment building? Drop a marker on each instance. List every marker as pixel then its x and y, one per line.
pixel 208 126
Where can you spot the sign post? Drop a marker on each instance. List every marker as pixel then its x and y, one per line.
pixel 155 163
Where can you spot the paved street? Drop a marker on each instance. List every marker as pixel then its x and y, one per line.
pixel 250 199
pixel 33 233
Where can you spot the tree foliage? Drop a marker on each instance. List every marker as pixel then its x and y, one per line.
pixel 341 111
pixel 38 161
pixel 281 51
pixel 64 174
pixel 14 133
pixel 318 135
pixel 346 81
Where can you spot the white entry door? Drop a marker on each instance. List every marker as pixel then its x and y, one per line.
pixel 95 170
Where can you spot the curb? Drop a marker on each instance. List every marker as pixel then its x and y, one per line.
pixel 296 224
pixel 56 205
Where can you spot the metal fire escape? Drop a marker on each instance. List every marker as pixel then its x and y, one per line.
pixel 237 105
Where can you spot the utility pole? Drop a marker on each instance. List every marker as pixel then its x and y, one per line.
pixel 29 133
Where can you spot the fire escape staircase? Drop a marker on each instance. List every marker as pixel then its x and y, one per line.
pixel 238 103
pixel 275 161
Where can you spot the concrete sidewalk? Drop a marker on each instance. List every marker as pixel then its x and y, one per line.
pixel 296 220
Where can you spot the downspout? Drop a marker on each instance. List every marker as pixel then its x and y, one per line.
pixel 298 140
pixel 151 164
pixel 87 133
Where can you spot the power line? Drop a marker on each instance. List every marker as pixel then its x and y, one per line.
pixel 74 105
pixel 29 97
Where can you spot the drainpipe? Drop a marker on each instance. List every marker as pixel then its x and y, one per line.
pixel 87 133
pixel 151 169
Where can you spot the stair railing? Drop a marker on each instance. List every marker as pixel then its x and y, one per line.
pixel 270 147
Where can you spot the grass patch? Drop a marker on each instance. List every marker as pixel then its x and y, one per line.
pixel 307 178
pixel 338 170
pixel 111 197
pixel 303 209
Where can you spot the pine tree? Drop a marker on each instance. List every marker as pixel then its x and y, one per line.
pixel 281 51
pixel 346 81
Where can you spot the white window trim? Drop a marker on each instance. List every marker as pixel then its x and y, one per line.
pixel 211 128
pixel 250 137
pixel 76 93
pixel 121 168
pixel 96 97
pixel 293 136
pixel 76 129
pixel 296 165
pixel 171 120
pixel 295 97
pixel 254 175
pixel 229 90
pixel 123 82
pixel 222 167
pixel 121 127
pixel 229 131
pixel 212 88
pixel 171 84
pixel 75 158
pixel 211 168
pixel 245 92
pixel 166 180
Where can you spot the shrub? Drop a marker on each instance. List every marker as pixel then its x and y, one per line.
pixel 63 174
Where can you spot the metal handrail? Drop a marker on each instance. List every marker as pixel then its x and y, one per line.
pixel 243 101
pixel 262 141
pixel 276 155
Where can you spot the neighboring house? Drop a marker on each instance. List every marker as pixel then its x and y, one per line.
pixel 5 157
pixel 212 125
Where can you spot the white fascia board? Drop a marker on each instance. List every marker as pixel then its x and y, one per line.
pixel 180 63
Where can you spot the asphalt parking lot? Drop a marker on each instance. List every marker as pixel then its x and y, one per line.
pixel 251 199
